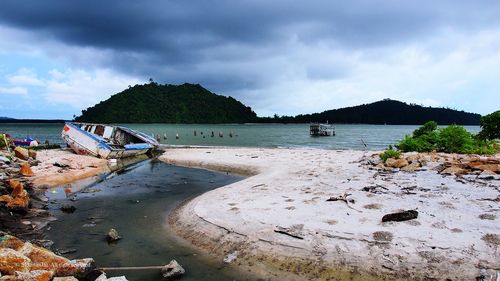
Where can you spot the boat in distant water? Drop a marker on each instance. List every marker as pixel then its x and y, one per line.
pixel 106 141
pixel 318 129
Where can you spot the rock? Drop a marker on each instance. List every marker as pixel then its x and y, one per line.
pixel 34 163
pixel 102 277
pixel 4 160
pixel 43 259
pixel 35 275
pixel 95 275
pixel 12 261
pixel 69 278
pixel 67 208
pixel 118 278
pixel 413 157
pixel 453 170
pixel 412 167
pixel 401 216
pixel 495 168
pixel 26 170
pixel 396 163
pixel 488 175
pixel 6 198
pixel 20 202
pixel 11 242
pixel 172 270
pixel 21 153
pixel 113 235
pixel 65 251
pixel 17 187
pixel 32 153
pixel 79 268
pixel 45 243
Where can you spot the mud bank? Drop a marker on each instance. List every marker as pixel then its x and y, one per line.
pixel 317 214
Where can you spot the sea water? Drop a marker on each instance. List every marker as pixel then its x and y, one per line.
pixel 136 202
pixel 348 136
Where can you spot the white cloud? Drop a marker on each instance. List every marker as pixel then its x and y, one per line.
pixel 13 90
pixel 454 69
pixel 24 77
pixel 80 88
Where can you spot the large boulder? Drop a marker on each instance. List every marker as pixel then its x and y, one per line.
pixel 412 167
pixel 25 170
pixel 20 202
pixel 32 153
pixel 396 163
pixel 172 270
pixel 453 170
pixel 21 153
pixel 11 242
pixel 12 261
pixel 42 259
pixel 35 275
pixel 17 187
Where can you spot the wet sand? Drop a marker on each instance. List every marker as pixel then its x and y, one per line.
pixel 278 222
pixel 61 166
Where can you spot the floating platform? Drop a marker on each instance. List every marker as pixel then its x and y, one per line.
pixel 318 129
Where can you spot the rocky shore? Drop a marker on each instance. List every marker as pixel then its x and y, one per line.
pixel 24 176
pixel 328 215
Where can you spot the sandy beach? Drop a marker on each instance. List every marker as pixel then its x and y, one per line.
pixel 279 223
pixel 62 166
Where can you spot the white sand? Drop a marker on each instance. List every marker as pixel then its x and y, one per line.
pixel 290 188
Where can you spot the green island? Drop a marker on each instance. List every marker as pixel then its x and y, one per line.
pixel 191 103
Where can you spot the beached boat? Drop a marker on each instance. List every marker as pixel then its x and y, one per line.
pixel 318 129
pixel 106 141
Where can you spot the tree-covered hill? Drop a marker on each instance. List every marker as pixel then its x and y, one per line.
pixel 390 112
pixel 191 103
pixel 155 103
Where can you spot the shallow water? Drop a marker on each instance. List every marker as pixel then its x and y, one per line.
pixel 375 137
pixel 135 202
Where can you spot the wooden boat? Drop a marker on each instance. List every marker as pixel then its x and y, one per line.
pixel 106 141
pixel 318 129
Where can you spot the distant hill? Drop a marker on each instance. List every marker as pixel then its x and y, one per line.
pixel 156 103
pixel 386 111
pixel 191 103
pixel 26 121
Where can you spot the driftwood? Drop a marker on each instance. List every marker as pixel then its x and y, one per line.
pixel 401 216
pixel 344 199
pixel 374 188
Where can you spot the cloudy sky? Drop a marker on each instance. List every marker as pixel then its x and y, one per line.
pixel 284 57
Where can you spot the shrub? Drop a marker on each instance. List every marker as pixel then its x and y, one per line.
pixel 390 153
pixel 490 126
pixel 452 139
pixel 421 144
pixel 455 139
pixel 428 127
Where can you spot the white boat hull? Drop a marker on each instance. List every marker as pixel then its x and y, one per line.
pixel 86 143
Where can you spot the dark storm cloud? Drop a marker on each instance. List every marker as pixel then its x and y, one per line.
pixel 174 41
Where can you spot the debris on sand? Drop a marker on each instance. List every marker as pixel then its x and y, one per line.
pixel 401 216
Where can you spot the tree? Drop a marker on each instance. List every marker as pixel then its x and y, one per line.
pixel 490 126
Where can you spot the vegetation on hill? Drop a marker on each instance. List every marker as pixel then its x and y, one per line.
pixel 451 139
pixel 189 103
pixel 490 126
pixel 387 111
pixel 155 103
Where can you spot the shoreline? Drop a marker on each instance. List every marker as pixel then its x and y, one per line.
pixel 447 240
